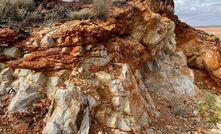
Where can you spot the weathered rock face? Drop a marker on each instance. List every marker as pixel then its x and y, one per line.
pixel 202 50
pixel 6 79
pixel 7 35
pixel 99 75
pixel 28 89
pixel 167 71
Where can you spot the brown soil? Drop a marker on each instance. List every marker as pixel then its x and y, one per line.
pixel 170 123
pixel 26 122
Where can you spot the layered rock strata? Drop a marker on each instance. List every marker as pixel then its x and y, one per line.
pixel 99 74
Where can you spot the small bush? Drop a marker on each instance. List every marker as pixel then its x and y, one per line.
pixel 180 110
pixel 7 11
pixel 177 106
pixel 17 4
pixel 209 109
pixel 120 4
pixel 82 14
pixel 15 10
pixel 35 18
pixel 86 1
pixel 101 8
pixel 26 13
pixel 58 13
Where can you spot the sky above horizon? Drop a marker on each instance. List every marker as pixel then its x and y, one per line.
pixel 199 12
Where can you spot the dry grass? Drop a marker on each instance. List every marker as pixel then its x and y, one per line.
pixel 25 13
pixel 15 10
pixel 58 13
pixel 21 3
pixel 86 1
pixel 82 14
pixel 101 8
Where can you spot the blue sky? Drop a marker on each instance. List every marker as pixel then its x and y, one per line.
pixel 199 12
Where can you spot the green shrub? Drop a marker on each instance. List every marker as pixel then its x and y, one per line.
pixel 101 8
pixel 82 14
pixel 209 109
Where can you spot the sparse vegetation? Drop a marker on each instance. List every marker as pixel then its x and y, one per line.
pixel 35 17
pixel 58 13
pixel 15 10
pixel 209 109
pixel 86 1
pixel 20 3
pixel 25 13
pixel 101 8
pixel 177 107
pixel 120 4
pixel 180 110
pixel 82 14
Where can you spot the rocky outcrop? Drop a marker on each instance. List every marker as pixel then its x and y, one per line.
pixel 6 79
pixel 100 74
pixel 28 89
pixel 202 50
pixel 7 35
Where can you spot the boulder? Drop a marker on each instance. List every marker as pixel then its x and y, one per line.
pixel 55 81
pixel 211 59
pixel 36 43
pixel 6 78
pixel 12 52
pixel 47 41
pixel 96 62
pixel 38 78
pixel 184 86
pixel 77 51
pixel 66 50
pixel 26 94
pixel 22 72
pixel 6 75
pixel 5 87
pixel 65 110
pixel 2 66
